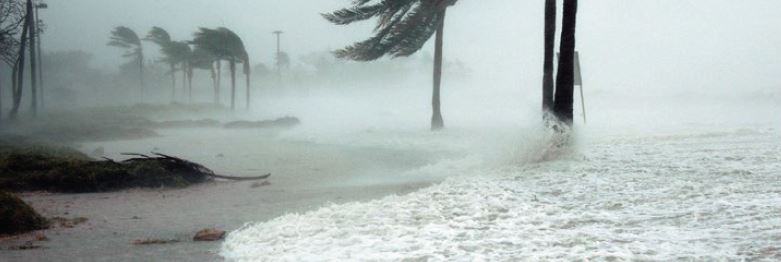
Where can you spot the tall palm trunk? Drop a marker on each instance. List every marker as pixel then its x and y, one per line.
pixel 437 123
pixel 233 83
pixel 184 78
pixel 141 71
pixel 565 81
pixel 190 83
pixel 550 42
pixel 33 58
pixel 247 75
pixel 214 85
pixel 18 87
pixel 173 82
pixel 218 88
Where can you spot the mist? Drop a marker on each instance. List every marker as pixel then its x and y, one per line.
pixel 681 104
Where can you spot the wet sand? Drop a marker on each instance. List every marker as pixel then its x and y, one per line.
pixel 305 176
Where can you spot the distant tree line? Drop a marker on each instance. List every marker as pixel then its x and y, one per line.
pixel 208 50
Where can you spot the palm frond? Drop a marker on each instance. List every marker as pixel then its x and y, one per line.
pixel 403 26
pixel 124 37
pixel 158 36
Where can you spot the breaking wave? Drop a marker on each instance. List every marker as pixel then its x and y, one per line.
pixel 693 197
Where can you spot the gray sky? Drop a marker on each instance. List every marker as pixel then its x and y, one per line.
pixel 626 44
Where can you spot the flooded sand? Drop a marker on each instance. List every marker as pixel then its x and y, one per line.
pixel 305 176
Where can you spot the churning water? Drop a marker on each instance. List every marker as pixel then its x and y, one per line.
pixel 697 195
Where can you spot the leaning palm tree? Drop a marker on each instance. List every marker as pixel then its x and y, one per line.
pixel 565 80
pixel 127 39
pixel 226 45
pixel 180 53
pixel 239 54
pixel 404 26
pixel 161 37
pixel 204 60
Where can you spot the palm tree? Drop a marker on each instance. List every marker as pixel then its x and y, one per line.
pixel 127 39
pixel 404 26
pixel 550 42
pixel 202 59
pixel 161 37
pixel 224 44
pixel 565 80
pixel 18 69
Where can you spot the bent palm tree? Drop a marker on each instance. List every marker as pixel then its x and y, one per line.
pixel 127 39
pixel 202 59
pixel 224 44
pixel 403 27
pixel 161 37
pixel 565 80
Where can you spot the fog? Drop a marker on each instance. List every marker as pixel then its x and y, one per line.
pixel 682 138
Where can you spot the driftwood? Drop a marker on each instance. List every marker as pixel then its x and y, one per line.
pixel 187 165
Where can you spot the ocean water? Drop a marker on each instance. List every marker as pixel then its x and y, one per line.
pixel 694 195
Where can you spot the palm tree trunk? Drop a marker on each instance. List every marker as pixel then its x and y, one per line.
pixel 247 75
pixel 184 78
pixel 141 72
pixel 33 59
pixel 437 123
pixel 550 42
pixel 173 82
pixel 19 70
pixel 190 83
pixel 565 81
pixel 214 85
pixel 233 84
pixel 217 90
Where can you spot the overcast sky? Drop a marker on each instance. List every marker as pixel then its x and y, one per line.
pixel 631 44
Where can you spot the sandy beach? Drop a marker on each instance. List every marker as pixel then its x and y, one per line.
pixel 305 176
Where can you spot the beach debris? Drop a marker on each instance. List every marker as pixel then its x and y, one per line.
pixel 209 234
pixel 40 236
pixel 28 245
pixel 17 217
pixel 260 184
pixel 68 222
pixel 144 242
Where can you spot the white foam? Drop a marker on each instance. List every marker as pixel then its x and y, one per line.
pixel 696 197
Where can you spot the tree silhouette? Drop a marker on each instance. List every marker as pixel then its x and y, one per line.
pixel 224 44
pixel 550 42
pixel 403 27
pixel 127 39
pixel 11 22
pixel 161 37
pixel 565 80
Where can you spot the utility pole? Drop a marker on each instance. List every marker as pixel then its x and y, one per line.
pixel 278 33
pixel 38 32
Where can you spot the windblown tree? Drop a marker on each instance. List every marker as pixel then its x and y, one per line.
pixel 204 60
pixel 127 39
pixel 565 80
pixel 226 45
pixel 11 23
pixel 161 38
pixel 18 70
pixel 403 27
